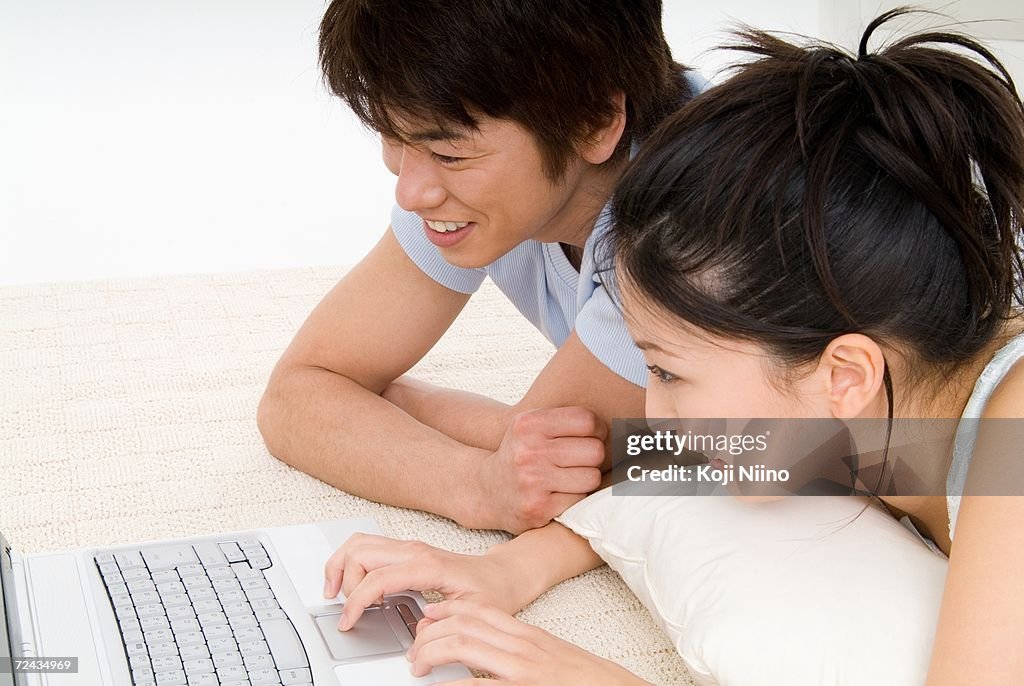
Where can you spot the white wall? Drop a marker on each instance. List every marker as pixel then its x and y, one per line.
pixel 180 136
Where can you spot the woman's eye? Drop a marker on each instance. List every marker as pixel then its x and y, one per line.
pixel 660 374
pixel 445 159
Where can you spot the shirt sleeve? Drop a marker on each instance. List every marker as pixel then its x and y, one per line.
pixel 408 229
pixel 602 330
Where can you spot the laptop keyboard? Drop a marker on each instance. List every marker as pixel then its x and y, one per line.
pixel 202 614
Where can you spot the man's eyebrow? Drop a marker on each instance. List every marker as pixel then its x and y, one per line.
pixel 436 135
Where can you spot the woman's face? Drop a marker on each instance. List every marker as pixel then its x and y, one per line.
pixel 694 375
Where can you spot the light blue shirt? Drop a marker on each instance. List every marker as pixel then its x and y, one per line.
pixel 541 282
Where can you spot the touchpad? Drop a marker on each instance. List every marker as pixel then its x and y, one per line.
pixel 372 635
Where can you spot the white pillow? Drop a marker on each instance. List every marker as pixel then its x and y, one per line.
pixel 797 591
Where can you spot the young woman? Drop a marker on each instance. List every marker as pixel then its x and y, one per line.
pixel 824 235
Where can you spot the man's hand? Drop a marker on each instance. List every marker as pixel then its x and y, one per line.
pixel 548 460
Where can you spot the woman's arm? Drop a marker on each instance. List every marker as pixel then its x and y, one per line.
pixel 981 623
pixel 509 576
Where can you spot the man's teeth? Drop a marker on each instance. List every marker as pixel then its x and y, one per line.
pixel 444 227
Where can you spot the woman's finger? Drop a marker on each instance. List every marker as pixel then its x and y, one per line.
pixel 472 627
pixel 335 565
pixel 468 650
pixel 492 615
pixel 404 576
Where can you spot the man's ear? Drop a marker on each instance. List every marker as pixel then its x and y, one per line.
pixel 854 368
pixel 601 143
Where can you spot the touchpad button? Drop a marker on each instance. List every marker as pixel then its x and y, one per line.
pixel 372 635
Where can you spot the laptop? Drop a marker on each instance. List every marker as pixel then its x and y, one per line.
pixel 239 608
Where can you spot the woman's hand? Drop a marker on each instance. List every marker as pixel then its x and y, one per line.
pixel 486 638
pixel 367 567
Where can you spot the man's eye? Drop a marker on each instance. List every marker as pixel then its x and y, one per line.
pixel 660 374
pixel 445 159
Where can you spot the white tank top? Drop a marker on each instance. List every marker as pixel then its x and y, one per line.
pixel 963 445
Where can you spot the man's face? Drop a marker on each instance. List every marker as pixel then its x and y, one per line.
pixel 480 193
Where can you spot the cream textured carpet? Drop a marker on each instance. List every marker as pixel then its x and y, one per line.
pixel 127 412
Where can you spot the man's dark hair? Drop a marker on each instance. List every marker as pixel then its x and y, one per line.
pixel 552 66
pixel 817 193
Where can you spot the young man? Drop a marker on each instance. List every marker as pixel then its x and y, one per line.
pixel 507 125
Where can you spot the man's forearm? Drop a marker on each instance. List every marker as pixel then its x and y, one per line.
pixel 336 430
pixel 470 418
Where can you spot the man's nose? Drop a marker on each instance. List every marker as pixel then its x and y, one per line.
pixel 418 187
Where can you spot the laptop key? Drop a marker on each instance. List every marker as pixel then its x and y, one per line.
pixel 191 570
pixel 222 645
pixel 284 644
pixel 165 576
pixel 180 612
pixel 222 660
pixel 136 648
pixel 199 666
pixel 136 573
pixel 136 585
pixel 169 557
pixel 217 631
pixel 203 607
pixel 150 623
pixel 210 555
pixel 212 619
pixel 232 552
pixel 129 624
pixel 187 639
pixel 132 635
pixel 145 597
pixel 150 610
pixel 174 678
pixel 185 624
pixel 163 650
pixel 159 636
pixel 263 661
pixel 121 600
pixel 264 677
pixel 265 604
pixel 244 571
pixel 204 679
pixel 232 673
pixel 258 593
pixel 166 663
pixel 242 622
pixel 296 676
pixel 129 560
pixel 201 593
pixel 266 615
pixel 230 597
pixel 247 648
pixel 194 652
pixel 176 600
pixel 260 561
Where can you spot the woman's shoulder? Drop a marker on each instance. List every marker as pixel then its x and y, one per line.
pixel 1007 370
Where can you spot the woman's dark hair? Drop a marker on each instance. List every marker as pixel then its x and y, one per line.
pixel 817 193
pixel 552 66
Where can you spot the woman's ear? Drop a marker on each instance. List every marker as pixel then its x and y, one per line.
pixel 601 143
pixel 854 367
